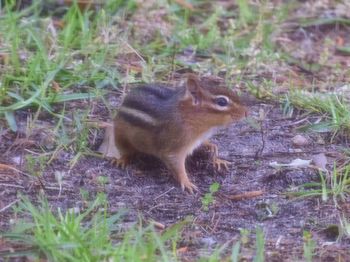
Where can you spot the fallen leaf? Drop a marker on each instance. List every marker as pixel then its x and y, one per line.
pixel 182 249
pixel 296 163
pixel 339 41
pixel 56 86
pixel 4 58
pixel 158 224
pixel 184 4
pixel 58 23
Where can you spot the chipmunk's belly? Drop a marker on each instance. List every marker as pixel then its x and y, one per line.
pixel 200 140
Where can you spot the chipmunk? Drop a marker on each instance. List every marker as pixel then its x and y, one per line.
pixel 170 123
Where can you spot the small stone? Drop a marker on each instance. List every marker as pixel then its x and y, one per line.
pixel 320 141
pixel 17 160
pixel 320 161
pixel 300 140
pixel 208 241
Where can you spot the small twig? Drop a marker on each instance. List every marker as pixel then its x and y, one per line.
pixel 261 149
pixel 4 166
pixel 41 183
pixel 171 76
pixel 276 154
pixel 134 50
pixel 213 230
pixel 9 205
pixel 154 207
pixel 157 224
pixel 164 193
pixel 296 122
pixel 11 185
pixel 246 195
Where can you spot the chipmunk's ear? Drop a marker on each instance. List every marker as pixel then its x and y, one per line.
pixel 193 89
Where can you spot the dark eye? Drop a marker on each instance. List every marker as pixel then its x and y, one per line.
pixel 221 101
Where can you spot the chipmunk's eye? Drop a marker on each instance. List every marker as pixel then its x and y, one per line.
pixel 221 100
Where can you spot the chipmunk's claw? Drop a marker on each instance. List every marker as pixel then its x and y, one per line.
pixel 218 163
pixel 212 147
pixel 190 187
pixel 121 162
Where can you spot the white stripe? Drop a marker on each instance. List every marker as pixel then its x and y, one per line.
pixel 140 115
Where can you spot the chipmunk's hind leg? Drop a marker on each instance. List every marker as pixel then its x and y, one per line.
pixel 127 151
pixel 176 164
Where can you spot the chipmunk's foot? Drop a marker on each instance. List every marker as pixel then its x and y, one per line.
pixel 212 147
pixel 219 163
pixel 190 187
pixel 121 162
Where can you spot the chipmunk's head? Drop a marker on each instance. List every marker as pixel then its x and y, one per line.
pixel 215 106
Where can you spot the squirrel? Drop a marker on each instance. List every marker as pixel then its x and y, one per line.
pixel 169 123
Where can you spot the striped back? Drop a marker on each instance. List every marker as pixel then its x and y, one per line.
pixel 149 106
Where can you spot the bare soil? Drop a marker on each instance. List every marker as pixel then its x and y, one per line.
pixel 147 188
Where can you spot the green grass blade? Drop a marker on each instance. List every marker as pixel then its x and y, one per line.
pixel 10 118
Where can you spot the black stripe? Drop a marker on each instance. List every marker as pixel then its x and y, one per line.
pixel 135 120
pixel 149 109
pixel 160 91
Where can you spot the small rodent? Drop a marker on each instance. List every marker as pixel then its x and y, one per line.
pixel 170 123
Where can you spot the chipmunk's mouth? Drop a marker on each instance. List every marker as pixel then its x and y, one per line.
pixel 243 114
pixel 238 116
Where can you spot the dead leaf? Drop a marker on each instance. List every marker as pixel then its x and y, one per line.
pixel 296 163
pixel 339 41
pixel 4 58
pixel 182 249
pixel 56 86
pixel 184 4
pixel 158 224
pixel 58 23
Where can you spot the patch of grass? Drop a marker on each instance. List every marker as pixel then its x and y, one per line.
pixel 334 109
pixel 95 235
pixel 336 184
pixel 208 198
pixel 309 246
pixel 259 246
pixel 202 37
pixel 36 165
pixel 44 62
pixel 90 235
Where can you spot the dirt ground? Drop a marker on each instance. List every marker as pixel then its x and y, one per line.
pixel 148 189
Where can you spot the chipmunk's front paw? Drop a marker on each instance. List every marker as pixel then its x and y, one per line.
pixel 218 163
pixel 186 184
